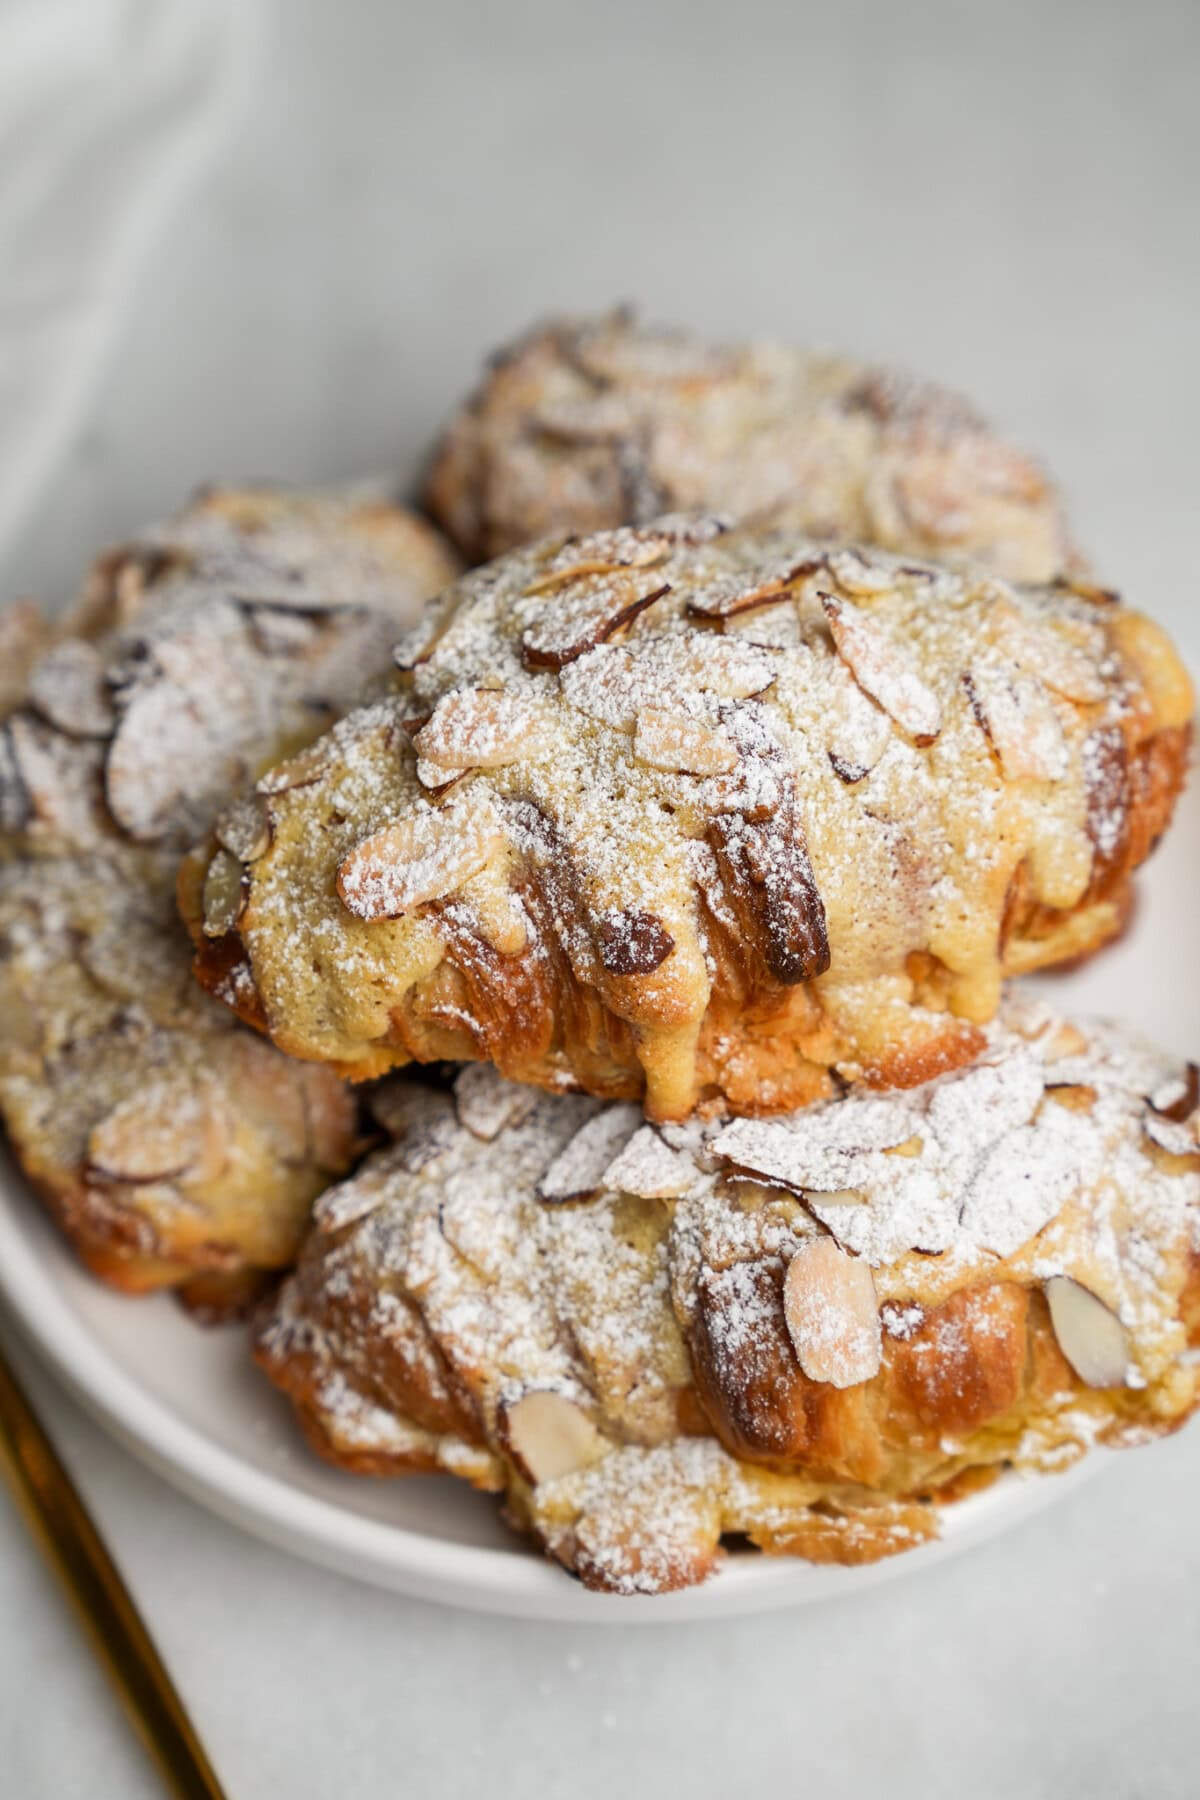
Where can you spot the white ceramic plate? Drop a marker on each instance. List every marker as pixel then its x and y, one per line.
pixel 189 1403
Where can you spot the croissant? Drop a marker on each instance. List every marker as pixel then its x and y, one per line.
pixel 694 816
pixel 584 424
pixel 815 1331
pixel 173 1146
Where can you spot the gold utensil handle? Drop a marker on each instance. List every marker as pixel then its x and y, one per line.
pixel 59 1520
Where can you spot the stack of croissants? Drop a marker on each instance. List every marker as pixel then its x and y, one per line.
pixel 545 957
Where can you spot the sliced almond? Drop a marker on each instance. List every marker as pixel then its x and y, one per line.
pixel 159 1135
pixel 857 731
pixel 1019 721
pixel 883 669
pixel 622 547
pixel 650 1168
pixel 1175 1137
pixel 670 740
pixel 224 894
pixel 572 622
pixel 1042 648
pixel 67 687
pixel 832 1314
pixel 1089 1333
pixel 299 771
pixel 578 1170
pixel 725 666
pixel 244 828
pixel 856 574
pixel 1179 1097
pixel 480 728
pixel 487 1104
pixel 598 419
pixel 724 596
pixel 548 1435
pixel 424 857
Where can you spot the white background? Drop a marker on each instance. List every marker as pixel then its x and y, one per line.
pixel 1003 197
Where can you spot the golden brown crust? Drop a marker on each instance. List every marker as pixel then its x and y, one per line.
pixel 800 817
pixel 586 424
pixel 616 1328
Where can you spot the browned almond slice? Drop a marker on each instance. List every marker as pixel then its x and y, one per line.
pixel 159 1135
pixel 301 770
pixel 624 547
pixel 832 1314
pixel 858 730
pixel 883 669
pixel 599 419
pixel 244 828
pixel 487 1104
pixel 1089 1333
pixel 672 741
pixel 640 358
pixel 421 858
pixel 856 574
pixel 548 1435
pixel 67 687
pixel 1175 1137
pixel 1020 723
pixel 1066 1041
pixel 729 667
pixel 649 1168
pixel 1043 649
pixel 573 622
pixel 578 1170
pixel 1178 1098
pixel 480 728
pixel 768 882
pixel 727 595
pixel 632 942
pixel 224 894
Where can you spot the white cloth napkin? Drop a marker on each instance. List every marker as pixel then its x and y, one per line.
pixel 109 111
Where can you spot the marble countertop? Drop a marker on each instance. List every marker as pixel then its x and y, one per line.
pixel 1005 199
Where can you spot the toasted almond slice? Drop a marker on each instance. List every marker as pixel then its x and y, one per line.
pixel 548 1435
pixel 883 669
pixel 727 595
pixel 571 623
pixel 224 894
pixel 726 666
pixel 1042 648
pixel 157 1135
pixel 856 574
pixel 624 547
pixel 672 741
pixel 67 687
pixel 480 728
pixel 487 1104
pixel 858 731
pixel 244 828
pixel 1089 1333
pixel 1019 721
pixel 650 1168
pixel 598 419
pixel 1178 1097
pixel 1177 1139
pixel 424 857
pixel 1066 1041
pixel 302 770
pixel 832 1314
pixel 578 1170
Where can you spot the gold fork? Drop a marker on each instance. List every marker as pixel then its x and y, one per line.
pixel 74 1548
